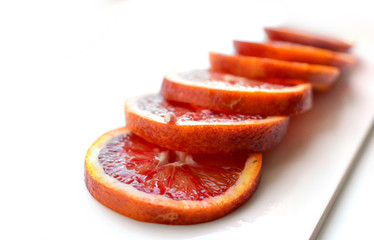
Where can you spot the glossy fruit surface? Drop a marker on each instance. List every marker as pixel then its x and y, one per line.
pixel 200 130
pixel 227 92
pixel 153 184
pixel 321 77
pixel 295 53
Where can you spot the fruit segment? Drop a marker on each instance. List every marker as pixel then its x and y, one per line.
pixel 321 77
pixel 150 183
pixel 151 169
pixel 227 92
pixel 306 38
pixel 295 52
pixel 200 130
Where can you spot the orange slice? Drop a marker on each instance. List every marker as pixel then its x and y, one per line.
pixel 306 38
pixel 193 129
pixel 295 52
pixel 153 184
pixel 231 93
pixel 321 77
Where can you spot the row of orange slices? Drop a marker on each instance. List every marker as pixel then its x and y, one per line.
pixel 192 153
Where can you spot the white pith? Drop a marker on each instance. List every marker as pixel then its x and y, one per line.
pixel 170 117
pixel 182 158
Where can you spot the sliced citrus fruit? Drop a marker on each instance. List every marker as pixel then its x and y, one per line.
pixel 295 52
pixel 227 92
pixel 193 129
pixel 306 38
pixel 321 77
pixel 153 184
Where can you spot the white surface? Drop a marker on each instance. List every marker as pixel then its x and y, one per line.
pixel 350 218
pixel 67 67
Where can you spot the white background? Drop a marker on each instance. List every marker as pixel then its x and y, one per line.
pixel 66 68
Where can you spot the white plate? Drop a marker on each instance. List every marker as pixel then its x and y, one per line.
pixel 300 176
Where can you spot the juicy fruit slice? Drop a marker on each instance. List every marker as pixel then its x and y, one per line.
pixel 200 130
pixel 231 93
pixel 306 38
pixel 321 77
pixel 295 52
pixel 150 183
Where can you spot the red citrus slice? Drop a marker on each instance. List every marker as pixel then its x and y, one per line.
pixel 153 184
pixel 231 93
pixel 321 77
pixel 306 38
pixel 295 52
pixel 193 129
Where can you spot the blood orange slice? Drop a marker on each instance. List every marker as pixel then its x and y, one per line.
pixel 306 38
pixel 321 77
pixel 231 93
pixel 193 129
pixel 153 184
pixel 295 52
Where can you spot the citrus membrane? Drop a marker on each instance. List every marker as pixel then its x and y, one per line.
pixel 173 174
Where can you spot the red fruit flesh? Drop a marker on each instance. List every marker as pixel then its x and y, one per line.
pixel 216 79
pixel 321 77
pixel 225 92
pixel 176 175
pixel 185 112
